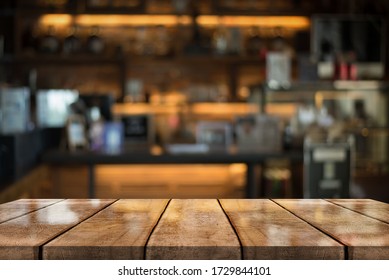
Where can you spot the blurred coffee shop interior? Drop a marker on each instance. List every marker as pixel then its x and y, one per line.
pixel 194 99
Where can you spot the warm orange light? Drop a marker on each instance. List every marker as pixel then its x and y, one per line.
pixel 225 108
pixel 114 20
pixel 199 108
pixel 57 19
pixel 284 111
pixel 171 180
pixel 293 22
pixel 144 108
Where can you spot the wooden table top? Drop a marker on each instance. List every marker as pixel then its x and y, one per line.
pixel 194 229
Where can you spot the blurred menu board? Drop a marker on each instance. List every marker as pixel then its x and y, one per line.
pixel 137 128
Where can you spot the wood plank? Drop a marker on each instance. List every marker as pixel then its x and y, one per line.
pixel 371 208
pixel 118 232
pixel 267 231
pixel 193 229
pixel 17 208
pixel 365 237
pixel 22 237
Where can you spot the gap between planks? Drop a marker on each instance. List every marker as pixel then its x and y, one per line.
pixel 346 248
pixel 356 211
pixel 153 229
pixel 234 229
pixel 40 249
pixel 32 211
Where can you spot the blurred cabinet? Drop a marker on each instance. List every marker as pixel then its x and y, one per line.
pixel 21 152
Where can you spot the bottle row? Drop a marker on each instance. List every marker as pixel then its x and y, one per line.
pixel 157 40
pixel 48 42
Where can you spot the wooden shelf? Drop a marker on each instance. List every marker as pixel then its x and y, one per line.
pixel 59 59
pixel 213 7
pixel 199 59
pixel 28 8
pixel 225 68
pixel 106 59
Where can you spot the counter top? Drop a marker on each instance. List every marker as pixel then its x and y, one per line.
pixel 147 156
pixel 194 229
pixel 144 156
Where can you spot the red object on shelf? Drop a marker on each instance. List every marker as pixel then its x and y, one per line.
pixel 353 72
pixel 341 71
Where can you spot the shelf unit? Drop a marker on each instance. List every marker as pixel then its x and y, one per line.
pixel 233 7
pixel 163 72
pixel 230 70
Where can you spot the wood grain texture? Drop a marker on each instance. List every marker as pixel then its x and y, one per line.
pixel 365 237
pixel 267 231
pixel 368 207
pixel 193 229
pixel 17 208
pixel 118 232
pixel 22 237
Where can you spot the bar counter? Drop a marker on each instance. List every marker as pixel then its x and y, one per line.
pixel 144 156
pixel 194 229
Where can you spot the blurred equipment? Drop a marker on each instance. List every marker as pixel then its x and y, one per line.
pixel 327 169
pixel 53 106
pixel 217 135
pixel 14 110
pixel 76 133
pixel 103 102
pixel 278 70
pixel 258 133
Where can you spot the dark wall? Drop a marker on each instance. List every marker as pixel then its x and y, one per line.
pixel 20 153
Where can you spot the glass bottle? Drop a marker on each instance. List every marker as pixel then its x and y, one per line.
pixel 256 45
pixel 162 44
pixel 95 44
pixel 279 42
pixel 96 129
pixel 220 40
pixel 341 69
pixel 72 43
pixel 49 43
pixel 140 40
